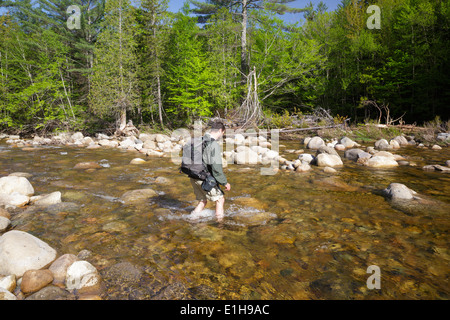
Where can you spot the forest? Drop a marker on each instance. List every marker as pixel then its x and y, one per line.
pixel 94 65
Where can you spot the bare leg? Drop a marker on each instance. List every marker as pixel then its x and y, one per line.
pixel 219 208
pixel 201 205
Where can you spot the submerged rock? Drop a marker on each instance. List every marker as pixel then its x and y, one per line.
pixel 138 195
pixel 87 165
pixel 48 199
pixel 137 161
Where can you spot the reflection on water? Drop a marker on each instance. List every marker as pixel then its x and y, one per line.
pixel 292 235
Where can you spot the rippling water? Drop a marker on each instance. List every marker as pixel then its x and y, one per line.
pixel 288 236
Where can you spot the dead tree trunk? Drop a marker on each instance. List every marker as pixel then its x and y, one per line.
pixel 250 111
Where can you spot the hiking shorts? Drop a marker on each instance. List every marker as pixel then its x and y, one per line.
pixel 200 194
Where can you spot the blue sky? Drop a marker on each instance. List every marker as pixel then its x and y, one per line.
pixel 175 5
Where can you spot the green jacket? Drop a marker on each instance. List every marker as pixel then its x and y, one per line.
pixel 212 158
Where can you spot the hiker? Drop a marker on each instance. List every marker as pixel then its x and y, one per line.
pixel 212 160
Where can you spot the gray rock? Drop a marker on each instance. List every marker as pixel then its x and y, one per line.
pixel 327 150
pixel 77 136
pixel 443 136
pixel 315 143
pixel 382 144
pixel 401 140
pixel 398 191
pixel 306 158
pixel 303 167
pixel 4 223
pixel 328 160
pixel 48 199
pixel 381 162
pixel 355 154
pixel 347 142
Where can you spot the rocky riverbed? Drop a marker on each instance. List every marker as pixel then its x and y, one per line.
pixel 112 220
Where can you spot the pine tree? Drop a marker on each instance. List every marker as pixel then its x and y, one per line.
pixel 188 77
pixel 114 82
pixel 152 19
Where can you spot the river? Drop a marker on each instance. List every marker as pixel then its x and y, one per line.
pixel 291 235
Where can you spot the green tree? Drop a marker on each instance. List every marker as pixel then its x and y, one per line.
pixel 188 75
pixel 223 58
pixel 114 81
pixel 152 18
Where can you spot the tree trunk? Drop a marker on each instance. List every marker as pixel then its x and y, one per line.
pixel 122 119
pixel 159 101
pixel 244 59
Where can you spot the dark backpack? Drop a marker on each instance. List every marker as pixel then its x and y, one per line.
pixel 192 159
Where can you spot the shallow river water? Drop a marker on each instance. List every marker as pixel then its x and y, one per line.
pixel 287 236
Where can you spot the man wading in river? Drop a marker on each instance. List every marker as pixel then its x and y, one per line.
pixel 207 176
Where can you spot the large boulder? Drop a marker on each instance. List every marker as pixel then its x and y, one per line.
pixel 397 191
pixel 326 149
pixel 401 140
pixel 347 142
pixel 11 184
pixel 381 162
pixel 306 158
pixel 328 160
pixel 21 251
pixel 355 154
pixel 315 143
pixel 382 144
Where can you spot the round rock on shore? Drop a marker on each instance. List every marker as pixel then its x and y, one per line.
pixel 21 251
